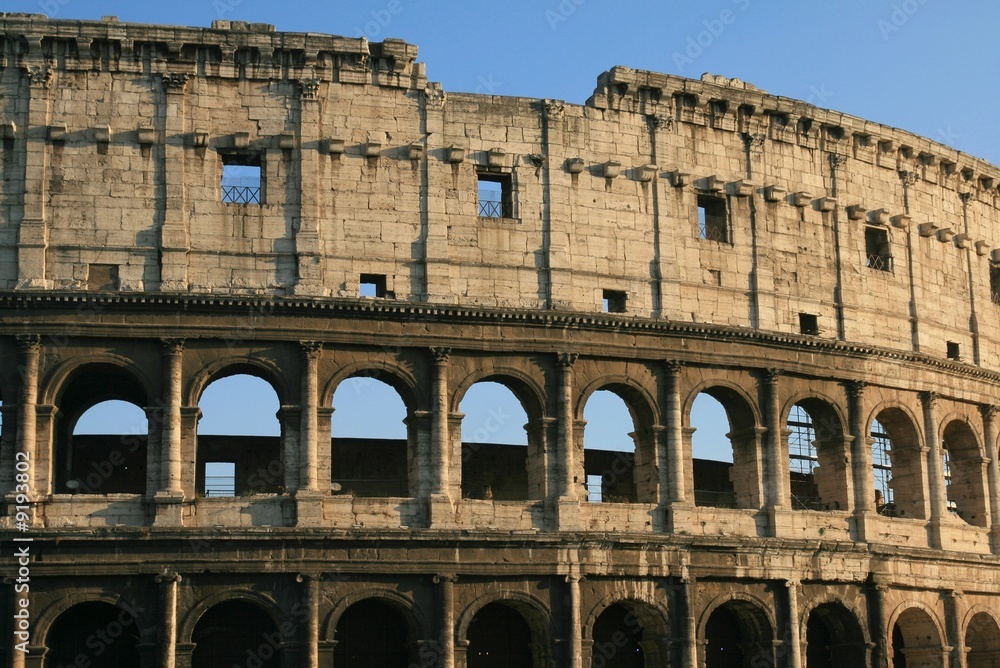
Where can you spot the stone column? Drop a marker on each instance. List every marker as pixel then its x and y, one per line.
pixel 441 501
pixel 567 465
pixel 447 583
pixel 309 275
pixel 171 489
pixel 311 582
pixel 877 626
pixel 30 346
pixel 690 652
pixel 935 474
pixel 309 426
pixel 988 411
pixel 174 239
pixel 168 618
pixel 794 633
pixel 575 630
pixel 675 435
pixel 775 457
pixel 953 626
pixel 864 478
pixel 32 231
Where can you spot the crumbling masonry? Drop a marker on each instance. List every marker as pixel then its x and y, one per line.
pixel 824 277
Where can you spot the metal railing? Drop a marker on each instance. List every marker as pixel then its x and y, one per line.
pixel 712 232
pixel 220 485
pixel 241 194
pixel 490 208
pixel 879 262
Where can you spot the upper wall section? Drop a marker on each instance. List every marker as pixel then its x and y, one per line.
pixel 239 160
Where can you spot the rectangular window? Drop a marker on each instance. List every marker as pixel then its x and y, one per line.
pixel 242 179
pixel 495 197
pixel 374 285
pixel 808 323
pixel 995 283
pixel 712 218
pixel 614 301
pixel 877 252
pixel 220 479
pixel 954 351
pixel 595 488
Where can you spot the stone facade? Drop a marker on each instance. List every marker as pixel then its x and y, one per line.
pixel 669 237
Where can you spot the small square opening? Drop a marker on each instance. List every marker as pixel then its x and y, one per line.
pixel 614 301
pixel 102 277
pixel 995 283
pixel 954 351
pixel 220 479
pixel 877 249
pixel 712 218
pixel 374 285
pixel 242 179
pixel 494 196
pixel 808 323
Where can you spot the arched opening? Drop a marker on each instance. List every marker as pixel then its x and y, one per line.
pixel 618 446
pixel 101 434
pixel 104 635
pixel 236 633
pixel 370 428
pixel 499 637
pixel 239 438
pixel 494 444
pixel 372 634
pixel 725 448
pixel 834 638
pixel 982 638
pixel 915 640
pixel 903 494
pixel 618 639
pixel 817 457
pixel 965 473
pixel 738 635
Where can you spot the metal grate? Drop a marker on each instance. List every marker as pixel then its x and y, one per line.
pixel 882 467
pixel 492 209
pixel 879 262
pixel 241 194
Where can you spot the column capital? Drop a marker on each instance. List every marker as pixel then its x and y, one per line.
pixel 440 354
pixel 311 349
pixel 28 343
pixel 566 360
pixel 174 82
pixel 673 367
pixel 988 411
pixel 792 584
pixel 573 577
pixel 445 578
pixel 855 388
pixel 168 578
pixel 770 376
pixel 309 577
pixel 928 398
pixel 172 346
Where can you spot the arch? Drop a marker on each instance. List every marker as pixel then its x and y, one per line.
pixel 819 452
pixel 372 633
pixel 530 392
pixel 106 635
pixel 741 484
pixel 642 621
pixel 185 629
pixel 52 612
pixel 982 638
pixel 966 487
pixel 393 374
pixel 235 631
pixel 834 637
pixel 906 460
pixel 403 604
pixel 640 402
pixel 530 607
pixel 738 631
pixel 500 636
pixel 372 440
pixel 267 370
pixel 54 383
pixel 496 468
pixel 114 463
pixel 915 636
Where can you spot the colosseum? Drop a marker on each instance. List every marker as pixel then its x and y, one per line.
pixel 182 205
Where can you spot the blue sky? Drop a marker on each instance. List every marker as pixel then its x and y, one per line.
pixel 927 66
